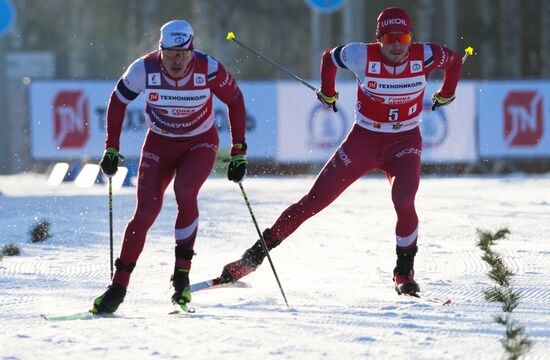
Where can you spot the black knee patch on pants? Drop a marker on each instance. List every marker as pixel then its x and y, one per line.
pixel 122 266
pixel 182 253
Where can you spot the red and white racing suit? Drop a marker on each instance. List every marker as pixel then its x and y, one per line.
pixel 181 143
pixel 385 135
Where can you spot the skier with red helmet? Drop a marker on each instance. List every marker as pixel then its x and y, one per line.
pixel 391 77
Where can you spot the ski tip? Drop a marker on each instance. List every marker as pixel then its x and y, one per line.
pixel 76 316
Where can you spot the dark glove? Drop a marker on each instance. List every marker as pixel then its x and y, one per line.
pixel 439 100
pixel 109 162
pixel 328 101
pixel 237 168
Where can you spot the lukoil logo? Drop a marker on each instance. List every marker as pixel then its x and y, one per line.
pixel 394 21
pixel 372 84
pixel 523 118
pixel 71 119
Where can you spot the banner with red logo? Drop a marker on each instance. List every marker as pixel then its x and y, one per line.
pixel 309 132
pixel 514 119
pixel 67 120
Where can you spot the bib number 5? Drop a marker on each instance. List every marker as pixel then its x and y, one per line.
pixel 393 114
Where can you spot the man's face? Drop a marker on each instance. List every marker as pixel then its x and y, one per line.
pixel 395 46
pixel 175 60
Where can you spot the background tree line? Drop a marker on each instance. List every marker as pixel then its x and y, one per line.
pixel 97 39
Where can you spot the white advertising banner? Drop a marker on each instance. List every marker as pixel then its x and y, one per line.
pixel 67 120
pixel 449 132
pixel 261 122
pixel 308 132
pixel 514 119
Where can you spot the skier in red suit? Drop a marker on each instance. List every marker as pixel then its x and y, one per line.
pixel 391 76
pixel 178 83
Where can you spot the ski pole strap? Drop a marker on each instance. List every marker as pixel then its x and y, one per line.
pixel 183 253
pixel 122 266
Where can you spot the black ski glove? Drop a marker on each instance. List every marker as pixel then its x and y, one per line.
pixel 237 168
pixel 109 162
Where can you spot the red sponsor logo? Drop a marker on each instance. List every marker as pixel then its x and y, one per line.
pixel 372 84
pixel 523 118
pixel 153 96
pixel 71 122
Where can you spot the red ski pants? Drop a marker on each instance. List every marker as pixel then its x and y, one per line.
pixel 397 154
pixel 188 162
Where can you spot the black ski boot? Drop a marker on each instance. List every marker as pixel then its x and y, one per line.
pixel 114 296
pixel 251 259
pixel 403 274
pixel 110 300
pixel 182 290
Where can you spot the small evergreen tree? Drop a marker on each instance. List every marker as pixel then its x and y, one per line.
pixel 10 250
pixel 515 342
pixel 40 231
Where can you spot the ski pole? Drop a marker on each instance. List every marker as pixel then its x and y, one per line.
pixel 262 241
pixel 111 223
pixel 231 37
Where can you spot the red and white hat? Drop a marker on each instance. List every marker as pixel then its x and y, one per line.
pixel 393 19
pixel 176 34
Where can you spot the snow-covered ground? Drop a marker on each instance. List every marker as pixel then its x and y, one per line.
pixel 336 271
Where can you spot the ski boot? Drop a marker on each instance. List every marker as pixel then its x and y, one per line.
pixel 110 300
pixel 249 262
pixel 403 274
pixel 182 290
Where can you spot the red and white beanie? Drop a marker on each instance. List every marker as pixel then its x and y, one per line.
pixel 393 19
